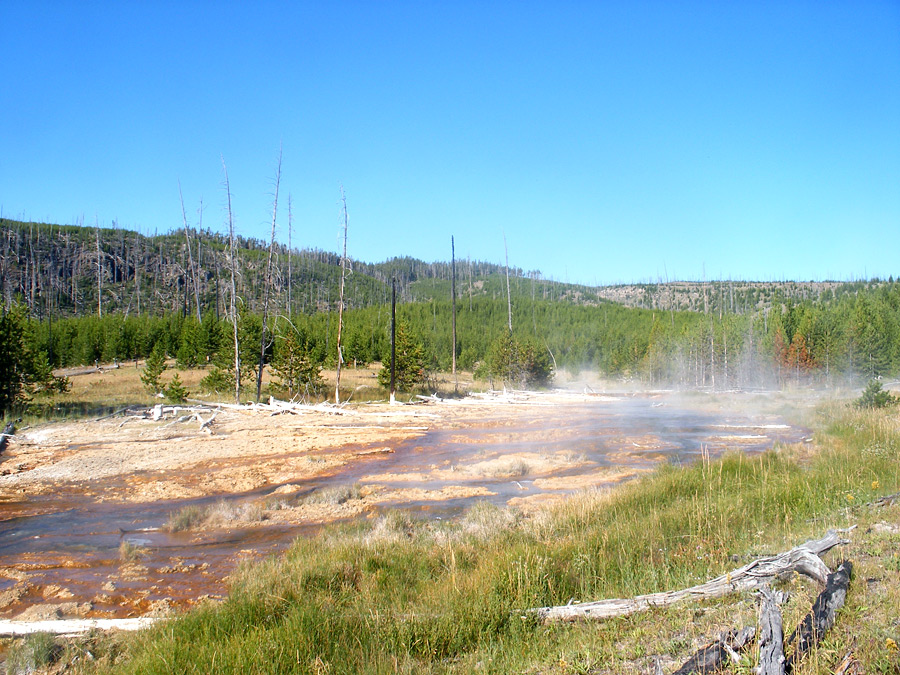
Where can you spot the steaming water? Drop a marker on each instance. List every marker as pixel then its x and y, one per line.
pixel 69 545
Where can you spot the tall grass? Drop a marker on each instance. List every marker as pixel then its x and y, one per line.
pixel 402 595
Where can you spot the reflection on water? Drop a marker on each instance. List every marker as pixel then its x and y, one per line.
pixel 64 549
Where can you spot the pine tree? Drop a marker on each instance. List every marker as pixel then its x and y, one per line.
pixel 153 369
pixel 295 365
pixel 410 362
pixel 176 391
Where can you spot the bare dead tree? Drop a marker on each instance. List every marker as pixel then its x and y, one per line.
pixel 268 281
pixel 508 297
pixel 99 270
pixel 290 306
pixel 187 238
pixel 453 307
pixel 340 357
pixel 233 300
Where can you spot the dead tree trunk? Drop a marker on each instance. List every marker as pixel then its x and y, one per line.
pixel 393 339
pixel 340 357
pixel 815 624
pixel 268 282
pixel 187 238
pixel 508 296
pixel 5 436
pixel 803 559
pixel 712 657
pixel 290 305
pixel 233 301
pixel 771 635
pixel 99 272
pixel 453 307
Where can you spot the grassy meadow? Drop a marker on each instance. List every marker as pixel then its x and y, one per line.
pixel 399 595
pixel 96 392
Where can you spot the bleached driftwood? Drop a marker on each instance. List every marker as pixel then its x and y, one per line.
pixel 712 657
pixel 803 559
pixel 12 628
pixel 205 425
pixel 771 635
pixel 815 624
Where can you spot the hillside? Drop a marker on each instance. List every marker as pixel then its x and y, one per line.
pixel 72 270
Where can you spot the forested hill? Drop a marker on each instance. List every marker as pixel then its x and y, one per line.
pixel 134 294
pixel 71 270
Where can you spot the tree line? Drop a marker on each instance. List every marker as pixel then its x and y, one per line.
pixel 162 297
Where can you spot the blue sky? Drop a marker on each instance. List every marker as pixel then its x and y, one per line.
pixel 608 141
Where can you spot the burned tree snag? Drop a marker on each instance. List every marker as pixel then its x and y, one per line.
pixel 712 657
pixel 815 624
pixel 268 283
pixel 453 309
pixel 5 436
pixel 233 301
pixel 340 357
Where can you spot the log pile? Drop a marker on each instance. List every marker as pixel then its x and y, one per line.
pixel 803 559
pixel 773 648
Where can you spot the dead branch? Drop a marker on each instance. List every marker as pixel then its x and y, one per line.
pixel 849 666
pixel 712 657
pixel 815 624
pixel 803 559
pixel 887 500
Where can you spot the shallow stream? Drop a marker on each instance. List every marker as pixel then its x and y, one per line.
pixel 60 552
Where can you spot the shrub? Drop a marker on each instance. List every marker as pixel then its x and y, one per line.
pixel 37 650
pixel 875 397
pixel 334 494
pixel 153 369
pixel 129 551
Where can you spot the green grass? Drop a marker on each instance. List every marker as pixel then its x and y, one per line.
pixel 35 651
pixel 408 596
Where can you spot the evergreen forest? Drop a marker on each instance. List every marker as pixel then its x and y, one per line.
pixel 76 295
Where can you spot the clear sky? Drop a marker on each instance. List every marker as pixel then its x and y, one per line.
pixel 609 141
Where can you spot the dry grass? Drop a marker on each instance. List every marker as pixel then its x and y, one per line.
pixel 130 552
pixel 98 393
pixel 220 515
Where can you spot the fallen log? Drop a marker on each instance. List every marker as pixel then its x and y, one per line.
pixel 821 618
pixel 11 628
pixel 771 635
pixel 712 657
pixel 803 559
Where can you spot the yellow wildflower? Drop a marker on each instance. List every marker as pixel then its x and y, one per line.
pixel 891 645
pixel 875 485
pixel 849 497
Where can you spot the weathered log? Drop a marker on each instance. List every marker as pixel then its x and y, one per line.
pixel 771 635
pixel 803 559
pixel 815 624
pixel 712 657
pixel 11 628
pixel 6 435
